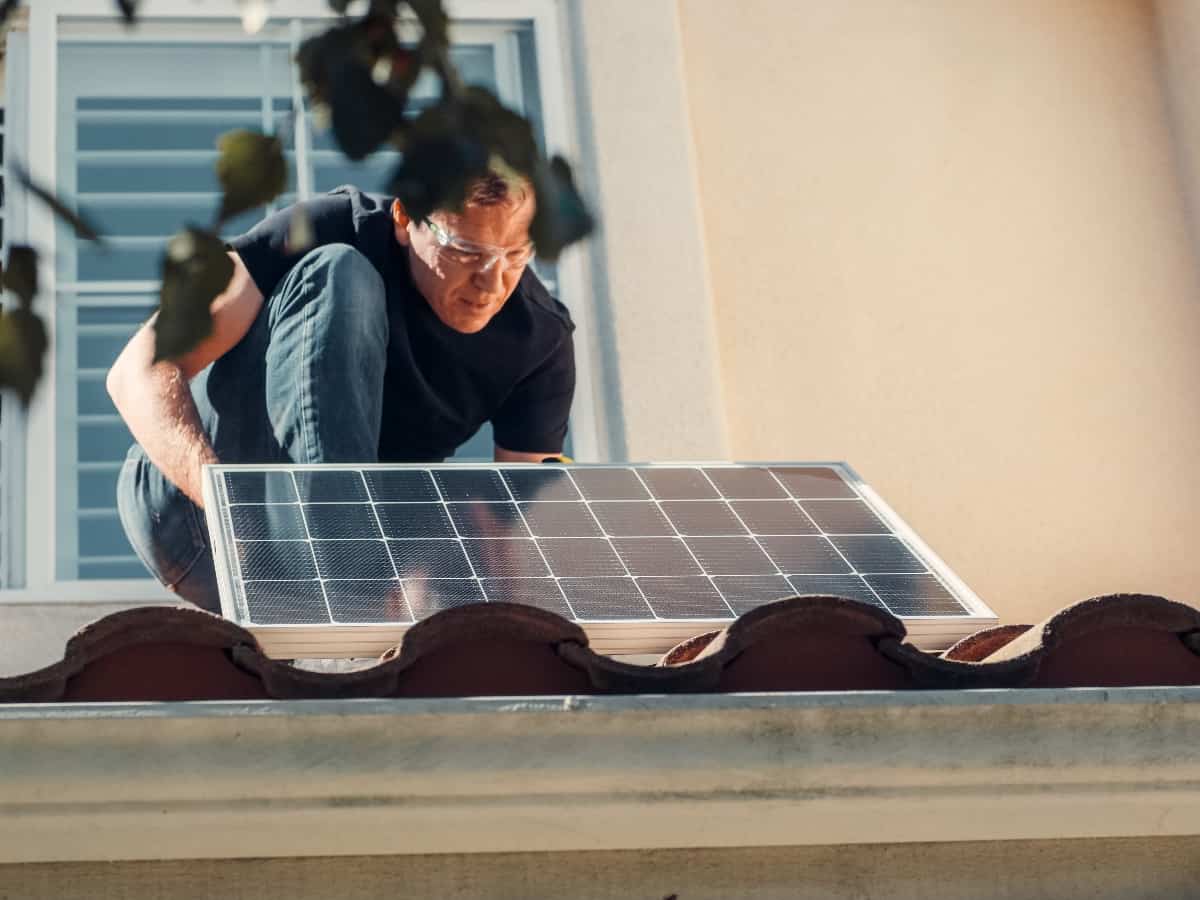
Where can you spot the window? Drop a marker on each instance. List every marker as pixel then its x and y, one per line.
pixel 135 121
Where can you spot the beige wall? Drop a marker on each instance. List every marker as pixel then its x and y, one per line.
pixel 947 244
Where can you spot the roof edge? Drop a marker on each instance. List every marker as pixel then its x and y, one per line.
pixel 271 778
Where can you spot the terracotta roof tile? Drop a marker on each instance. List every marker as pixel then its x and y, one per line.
pixel 1119 640
pixel 803 643
pixel 976 647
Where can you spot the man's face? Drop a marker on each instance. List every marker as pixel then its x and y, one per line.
pixel 467 264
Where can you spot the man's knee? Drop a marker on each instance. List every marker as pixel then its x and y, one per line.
pixel 345 287
pixel 348 275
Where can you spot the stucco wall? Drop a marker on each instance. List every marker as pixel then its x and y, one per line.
pixel 947 243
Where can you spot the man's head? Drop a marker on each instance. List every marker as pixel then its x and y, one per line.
pixel 467 264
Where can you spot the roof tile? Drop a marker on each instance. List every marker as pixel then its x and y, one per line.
pixel 804 643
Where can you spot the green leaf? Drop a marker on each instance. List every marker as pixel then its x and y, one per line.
pixel 195 270
pixel 80 225
pixel 23 345
pixel 562 218
pixel 252 170
pixel 21 274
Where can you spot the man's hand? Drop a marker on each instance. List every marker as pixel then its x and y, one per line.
pixel 513 456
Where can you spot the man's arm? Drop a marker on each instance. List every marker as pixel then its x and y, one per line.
pixel 535 414
pixel 154 398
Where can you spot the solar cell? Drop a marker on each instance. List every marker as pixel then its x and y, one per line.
pixel 610 484
pixel 746 484
pixel 605 599
pixel 427 596
pixel 333 521
pixel 773 517
pixel 260 487
pixel 844 517
pixel 710 517
pixel 678 484
pixel 494 520
pixel 341 556
pixel 730 556
pixel 414 520
pixel 268 522
pixel 631 518
pixel 353 559
pixel 540 484
pixel 287 602
pixel 505 558
pixel 656 556
pixel 367 600
pixel 330 486
pixel 401 486
pixel 852 586
pixel 745 593
pixel 551 519
pixel 541 592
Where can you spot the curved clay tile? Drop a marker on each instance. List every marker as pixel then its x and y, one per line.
pixel 803 643
pixel 489 649
pixel 148 653
pixel 977 646
pixel 686 651
pixel 1118 640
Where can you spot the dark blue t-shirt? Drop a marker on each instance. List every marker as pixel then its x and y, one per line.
pixel 518 372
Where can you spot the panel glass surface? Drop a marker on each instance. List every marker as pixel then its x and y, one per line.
pixel 342 545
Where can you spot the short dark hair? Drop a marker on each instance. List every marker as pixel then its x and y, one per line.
pixel 493 189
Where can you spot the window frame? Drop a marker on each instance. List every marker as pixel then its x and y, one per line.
pixel 30 529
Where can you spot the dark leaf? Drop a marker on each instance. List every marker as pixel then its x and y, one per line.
pixel 339 6
pixel 362 74
pixel 562 218
pixel 21 274
pixel 22 349
pixel 195 270
pixel 128 10
pixel 362 114
pixel 81 226
pixel 252 171
pixel 7 8
pixel 434 22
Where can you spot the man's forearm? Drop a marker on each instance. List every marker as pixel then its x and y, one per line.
pixel 162 417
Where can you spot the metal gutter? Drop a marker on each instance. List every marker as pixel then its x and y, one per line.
pixel 318 778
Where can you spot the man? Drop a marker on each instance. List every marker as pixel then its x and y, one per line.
pixel 389 339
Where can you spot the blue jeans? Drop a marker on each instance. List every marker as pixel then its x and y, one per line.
pixel 305 385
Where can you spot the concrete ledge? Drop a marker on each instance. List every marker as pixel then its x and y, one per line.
pixel 271 779
pixel 1118 868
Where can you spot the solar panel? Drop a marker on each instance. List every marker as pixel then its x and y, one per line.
pixel 339 560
